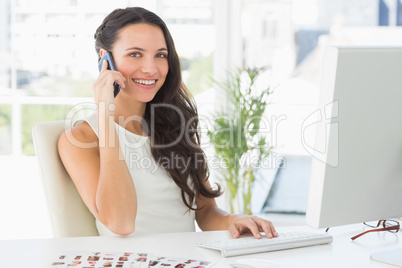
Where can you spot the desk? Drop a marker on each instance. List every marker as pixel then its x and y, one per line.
pixel 343 252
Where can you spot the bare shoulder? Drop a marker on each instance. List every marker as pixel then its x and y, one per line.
pixel 77 145
pixel 78 137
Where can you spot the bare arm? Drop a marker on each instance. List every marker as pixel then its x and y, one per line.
pixel 210 218
pixel 100 172
pixel 101 178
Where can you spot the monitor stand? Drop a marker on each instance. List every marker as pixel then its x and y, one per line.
pixel 392 256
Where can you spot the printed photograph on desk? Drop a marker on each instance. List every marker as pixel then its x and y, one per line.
pixel 101 259
pixel 177 263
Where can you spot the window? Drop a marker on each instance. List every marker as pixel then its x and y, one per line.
pixel 49 53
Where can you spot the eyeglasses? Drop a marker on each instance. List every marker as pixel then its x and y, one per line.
pixel 385 225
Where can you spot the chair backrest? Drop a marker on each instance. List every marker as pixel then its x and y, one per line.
pixel 69 215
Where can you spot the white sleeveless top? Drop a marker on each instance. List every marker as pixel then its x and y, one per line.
pixel 160 208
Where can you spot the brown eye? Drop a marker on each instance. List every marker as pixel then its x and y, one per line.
pixel 135 55
pixel 161 55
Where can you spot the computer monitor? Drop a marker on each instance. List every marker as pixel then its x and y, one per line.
pixel 356 173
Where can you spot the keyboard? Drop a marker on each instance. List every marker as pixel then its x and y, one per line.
pixel 249 244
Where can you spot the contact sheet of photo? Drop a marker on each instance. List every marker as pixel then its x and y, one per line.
pixel 82 259
pixel 101 259
pixel 155 262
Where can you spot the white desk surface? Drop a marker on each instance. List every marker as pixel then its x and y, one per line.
pixel 342 252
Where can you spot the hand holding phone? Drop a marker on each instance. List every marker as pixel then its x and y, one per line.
pixel 111 66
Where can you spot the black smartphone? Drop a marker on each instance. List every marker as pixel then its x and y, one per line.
pixel 111 66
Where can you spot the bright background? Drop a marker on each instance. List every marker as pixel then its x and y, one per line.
pixel 48 64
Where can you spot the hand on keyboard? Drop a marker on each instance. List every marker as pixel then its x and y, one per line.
pixel 250 245
pixel 241 224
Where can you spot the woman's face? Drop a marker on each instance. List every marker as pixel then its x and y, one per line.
pixel 140 54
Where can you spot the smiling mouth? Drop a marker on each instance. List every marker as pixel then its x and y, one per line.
pixel 144 82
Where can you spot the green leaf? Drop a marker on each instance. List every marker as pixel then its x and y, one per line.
pixel 236 131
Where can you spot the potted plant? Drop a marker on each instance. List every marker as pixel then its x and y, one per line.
pixel 236 135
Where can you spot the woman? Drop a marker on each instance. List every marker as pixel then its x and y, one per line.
pixel 145 170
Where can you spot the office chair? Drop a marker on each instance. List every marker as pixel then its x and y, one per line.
pixel 68 213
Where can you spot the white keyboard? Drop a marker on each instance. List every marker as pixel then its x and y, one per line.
pixel 250 245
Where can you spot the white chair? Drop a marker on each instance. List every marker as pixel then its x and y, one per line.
pixel 69 215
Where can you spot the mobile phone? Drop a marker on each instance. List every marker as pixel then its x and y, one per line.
pixel 111 66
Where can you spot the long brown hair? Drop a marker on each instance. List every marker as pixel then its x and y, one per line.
pixel 171 116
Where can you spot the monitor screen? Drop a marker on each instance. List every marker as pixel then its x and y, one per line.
pixel 356 173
